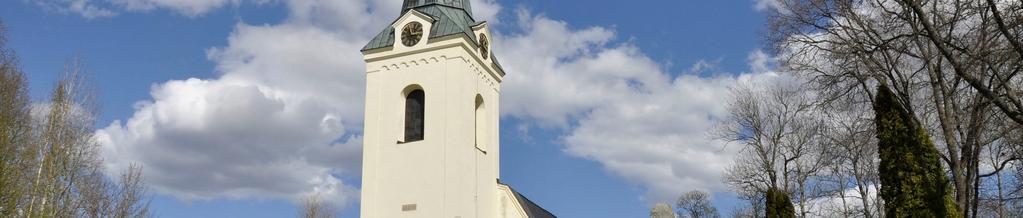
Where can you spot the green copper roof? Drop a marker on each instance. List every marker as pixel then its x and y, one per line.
pixel 448 20
pixel 461 4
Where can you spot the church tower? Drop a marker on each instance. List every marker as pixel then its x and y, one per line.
pixel 431 145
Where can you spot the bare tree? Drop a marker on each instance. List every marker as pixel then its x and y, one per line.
pixel 314 207
pixel 746 212
pixel 775 124
pixel 696 204
pixel 748 193
pixel 978 43
pixel 64 148
pixel 953 64
pixel 849 131
pixel 998 198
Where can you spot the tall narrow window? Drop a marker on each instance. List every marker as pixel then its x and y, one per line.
pixel 415 106
pixel 481 124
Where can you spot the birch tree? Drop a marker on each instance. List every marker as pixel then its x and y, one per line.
pixel 14 129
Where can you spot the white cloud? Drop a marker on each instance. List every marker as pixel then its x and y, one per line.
pixel 848 200
pixel 347 11
pixel 280 121
pixel 185 7
pixel 619 107
pixel 486 10
pixel 85 8
pixel 200 139
pixel 767 5
pixel 109 8
pixel 557 73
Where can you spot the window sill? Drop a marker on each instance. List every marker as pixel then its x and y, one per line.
pixel 407 142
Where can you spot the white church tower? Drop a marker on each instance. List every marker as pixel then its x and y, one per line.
pixel 431 145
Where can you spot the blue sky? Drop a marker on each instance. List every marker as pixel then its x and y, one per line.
pixel 167 70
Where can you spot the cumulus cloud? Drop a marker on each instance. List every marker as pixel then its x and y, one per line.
pixel 766 5
pixel 185 7
pixel 108 8
pixel 619 107
pixel 558 73
pixel 300 9
pixel 281 120
pixel 486 10
pixel 85 8
pixel 200 139
pixel 850 199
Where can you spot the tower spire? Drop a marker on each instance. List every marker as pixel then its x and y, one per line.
pixel 460 4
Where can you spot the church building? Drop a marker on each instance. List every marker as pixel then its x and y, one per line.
pixel 431 143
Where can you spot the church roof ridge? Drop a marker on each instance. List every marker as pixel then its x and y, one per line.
pixel 464 5
pixel 532 209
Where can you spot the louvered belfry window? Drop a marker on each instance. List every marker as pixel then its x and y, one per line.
pixel 414 115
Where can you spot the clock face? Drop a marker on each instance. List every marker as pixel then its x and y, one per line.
pixel 411 34
pixel 484 45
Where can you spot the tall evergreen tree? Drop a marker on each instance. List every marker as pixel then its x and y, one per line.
pixel 913 183
pixel 779 205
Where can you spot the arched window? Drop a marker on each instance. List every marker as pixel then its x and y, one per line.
pixel 415 105
pixel 481 124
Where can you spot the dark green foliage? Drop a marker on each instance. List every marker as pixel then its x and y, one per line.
pixel 912 181
pixel 779 205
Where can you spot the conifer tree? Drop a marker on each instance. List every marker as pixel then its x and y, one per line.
pixel 913 183
pixel 779 205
